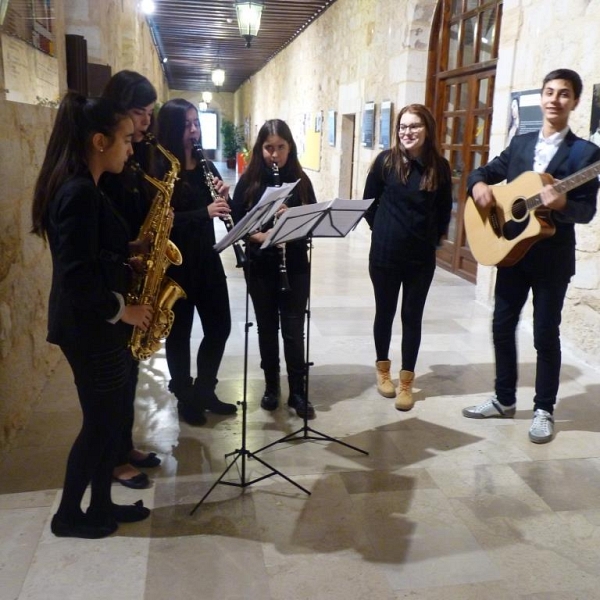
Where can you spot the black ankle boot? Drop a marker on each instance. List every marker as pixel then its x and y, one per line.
pixel 297 399
pixel 270 399
pixel 187 406
pixel 301 405
pixel 207 398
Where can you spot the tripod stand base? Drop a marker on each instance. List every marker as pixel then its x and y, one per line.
pixel 306 431
pixel 243 483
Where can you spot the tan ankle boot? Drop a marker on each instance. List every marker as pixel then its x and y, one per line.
pixel 384 384
pixel 404 399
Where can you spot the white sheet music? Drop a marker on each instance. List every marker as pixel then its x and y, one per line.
pixel 335 218
pixel 261 213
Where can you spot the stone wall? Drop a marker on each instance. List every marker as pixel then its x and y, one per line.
pixel 117 35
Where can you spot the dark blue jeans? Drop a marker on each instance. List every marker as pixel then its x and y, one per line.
pixel 416 281
pixel 512 288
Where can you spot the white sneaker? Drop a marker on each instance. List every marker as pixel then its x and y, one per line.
pixel 542 427
pixel 489 408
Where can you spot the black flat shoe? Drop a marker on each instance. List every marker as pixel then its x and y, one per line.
pixel 137 482
pixel 131 513
pixel 150 462
pixel 82 528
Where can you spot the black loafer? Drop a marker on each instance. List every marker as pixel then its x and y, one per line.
pixel 150 462
pixel 82 528
pixel 137 482
pixel 131 513
pixel 191 414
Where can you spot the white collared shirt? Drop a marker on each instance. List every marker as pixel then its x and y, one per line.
pixel 546 148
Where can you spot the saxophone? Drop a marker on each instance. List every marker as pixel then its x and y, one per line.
pixel 151 286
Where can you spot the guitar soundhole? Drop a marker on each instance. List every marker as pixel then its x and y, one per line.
pixel 519 209
pixel 513 229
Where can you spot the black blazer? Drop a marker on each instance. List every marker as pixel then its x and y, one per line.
pixel 88 241
pixel 556 254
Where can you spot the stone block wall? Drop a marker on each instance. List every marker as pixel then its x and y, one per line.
pixel 118 36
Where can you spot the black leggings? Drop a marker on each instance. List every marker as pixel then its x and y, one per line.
pixel 271 305
pixel 212 304
pixel 102 379
pixel 416 280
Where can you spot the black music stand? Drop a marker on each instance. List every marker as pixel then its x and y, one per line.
pixel 325 219
pixel 252 222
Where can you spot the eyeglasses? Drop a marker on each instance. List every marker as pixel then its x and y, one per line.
pixel 413 128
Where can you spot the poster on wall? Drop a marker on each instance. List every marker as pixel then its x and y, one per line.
pixel 525 113
pixel 595 116
pixel 331 127
pixel 385 125
pixel 368 125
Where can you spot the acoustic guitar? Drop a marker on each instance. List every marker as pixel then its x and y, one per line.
pixel 502 233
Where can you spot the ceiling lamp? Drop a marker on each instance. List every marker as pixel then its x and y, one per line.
pixel 147 6
pixel 203 106
pixel 207 97
pixel 248 17
pixel 218 77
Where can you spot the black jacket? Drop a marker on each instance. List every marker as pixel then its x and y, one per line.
pixel 266 262
pixel 89 245
pixel 194 233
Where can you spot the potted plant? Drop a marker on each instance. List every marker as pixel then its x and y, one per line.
pixel 233 142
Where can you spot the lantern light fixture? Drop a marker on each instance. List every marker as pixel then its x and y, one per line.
pixel 206 97
pixel 218 77
pixel 248 17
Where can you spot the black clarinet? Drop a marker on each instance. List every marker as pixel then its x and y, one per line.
pixel 240 255
pixel 284 284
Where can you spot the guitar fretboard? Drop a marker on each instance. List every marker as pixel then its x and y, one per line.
pixel 568 184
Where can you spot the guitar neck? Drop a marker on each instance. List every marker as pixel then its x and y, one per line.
pixel 568 184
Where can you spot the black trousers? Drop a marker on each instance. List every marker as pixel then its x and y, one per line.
pixel 512 288
pixel 126 445
pixel 212 304
pixel 273 307
pixel 102 379
pixel 415 279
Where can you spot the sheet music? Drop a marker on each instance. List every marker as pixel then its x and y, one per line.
pixel 334 218
pixel 341 218
pixel 261 213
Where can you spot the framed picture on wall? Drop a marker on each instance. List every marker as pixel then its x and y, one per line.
pixel 385 125
pixel 368 125
pixel 331 122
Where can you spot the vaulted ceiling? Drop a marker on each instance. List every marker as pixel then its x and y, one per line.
pixel 197 36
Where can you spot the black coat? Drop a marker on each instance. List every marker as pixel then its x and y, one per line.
pixel 89 245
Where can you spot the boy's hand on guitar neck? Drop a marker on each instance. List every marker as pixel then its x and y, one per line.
pixel 552 199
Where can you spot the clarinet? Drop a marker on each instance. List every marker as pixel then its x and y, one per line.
pixel 284 284
pixel 240 255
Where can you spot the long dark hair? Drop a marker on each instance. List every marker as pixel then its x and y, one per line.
pixel 256 173
pixel 77 120
pixel 431 158
pixel 130 90
pixel 170 126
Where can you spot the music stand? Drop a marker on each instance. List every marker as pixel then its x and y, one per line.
pixel 253 221
pixel 335 218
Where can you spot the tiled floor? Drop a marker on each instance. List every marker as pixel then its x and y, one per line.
pixel 442 507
